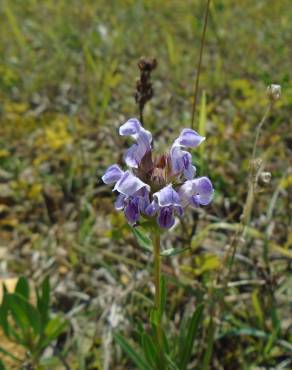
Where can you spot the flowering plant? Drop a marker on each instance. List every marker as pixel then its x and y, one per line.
pixel 158 187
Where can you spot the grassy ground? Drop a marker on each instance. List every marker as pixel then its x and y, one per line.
pixel 67 78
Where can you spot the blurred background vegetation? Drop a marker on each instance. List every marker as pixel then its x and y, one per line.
pixel 67 79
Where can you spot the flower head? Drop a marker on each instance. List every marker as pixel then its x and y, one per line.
pixel 159 188
pixel 274 92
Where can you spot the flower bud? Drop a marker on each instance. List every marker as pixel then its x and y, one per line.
pixel 265 178
pixel 274 92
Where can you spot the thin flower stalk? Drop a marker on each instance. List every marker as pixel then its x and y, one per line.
pixel 202 44
pixel 157 283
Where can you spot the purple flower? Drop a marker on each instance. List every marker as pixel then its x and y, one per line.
pixel 133 205
pixel 136 152
pixel 168 201
pixel 181 161
pixel 134 193
pixel 136 196
pixel 196 192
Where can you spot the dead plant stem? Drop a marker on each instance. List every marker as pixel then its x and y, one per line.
pixel 202 44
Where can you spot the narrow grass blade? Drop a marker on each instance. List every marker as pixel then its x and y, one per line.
pixel 22 288
pixel 210 342
pixel 191 335
pixel 2 367
pixel 129 350
pixel 13 24
pixel 149 350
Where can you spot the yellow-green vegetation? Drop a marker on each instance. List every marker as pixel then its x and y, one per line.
pixel 67 79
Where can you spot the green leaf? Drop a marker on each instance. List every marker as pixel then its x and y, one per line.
pixel 4 316
pixel 143 240
pixel 170 362
pixel 154 316
pixel 149 350
pixel 191 335
pixel 4 322
pixel 22 288
pixel 210 345
pixel 275 320
pixel 133 355
pixel 173 251
pixel 2 367
pixel 165 342
pixel 25 315
pixel 54 328
pixel 180 339
pixel 50 362
pixel 257 307
pixel 43 301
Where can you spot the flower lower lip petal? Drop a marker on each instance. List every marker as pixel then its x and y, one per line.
pixel 130 184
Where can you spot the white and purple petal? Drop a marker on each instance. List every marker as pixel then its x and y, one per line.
pixel 177 164
pixel 134 155
pixel 112 174
pixel 152 209
pixel 143 138
pixel 196 192
pixel 185 193
pixel 131 127
pixel 167 196
pixel 204 190
pixel 130 184
pixel 188 169
pixel 120 202
pixel 181 162
pixel 189 138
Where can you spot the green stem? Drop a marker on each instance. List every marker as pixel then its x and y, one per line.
pixel 157 299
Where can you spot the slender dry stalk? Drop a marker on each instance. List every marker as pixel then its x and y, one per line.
pixel 202 44
pixel 254 171
pixel 157 300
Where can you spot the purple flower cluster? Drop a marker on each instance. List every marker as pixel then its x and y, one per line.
pixel 159 187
